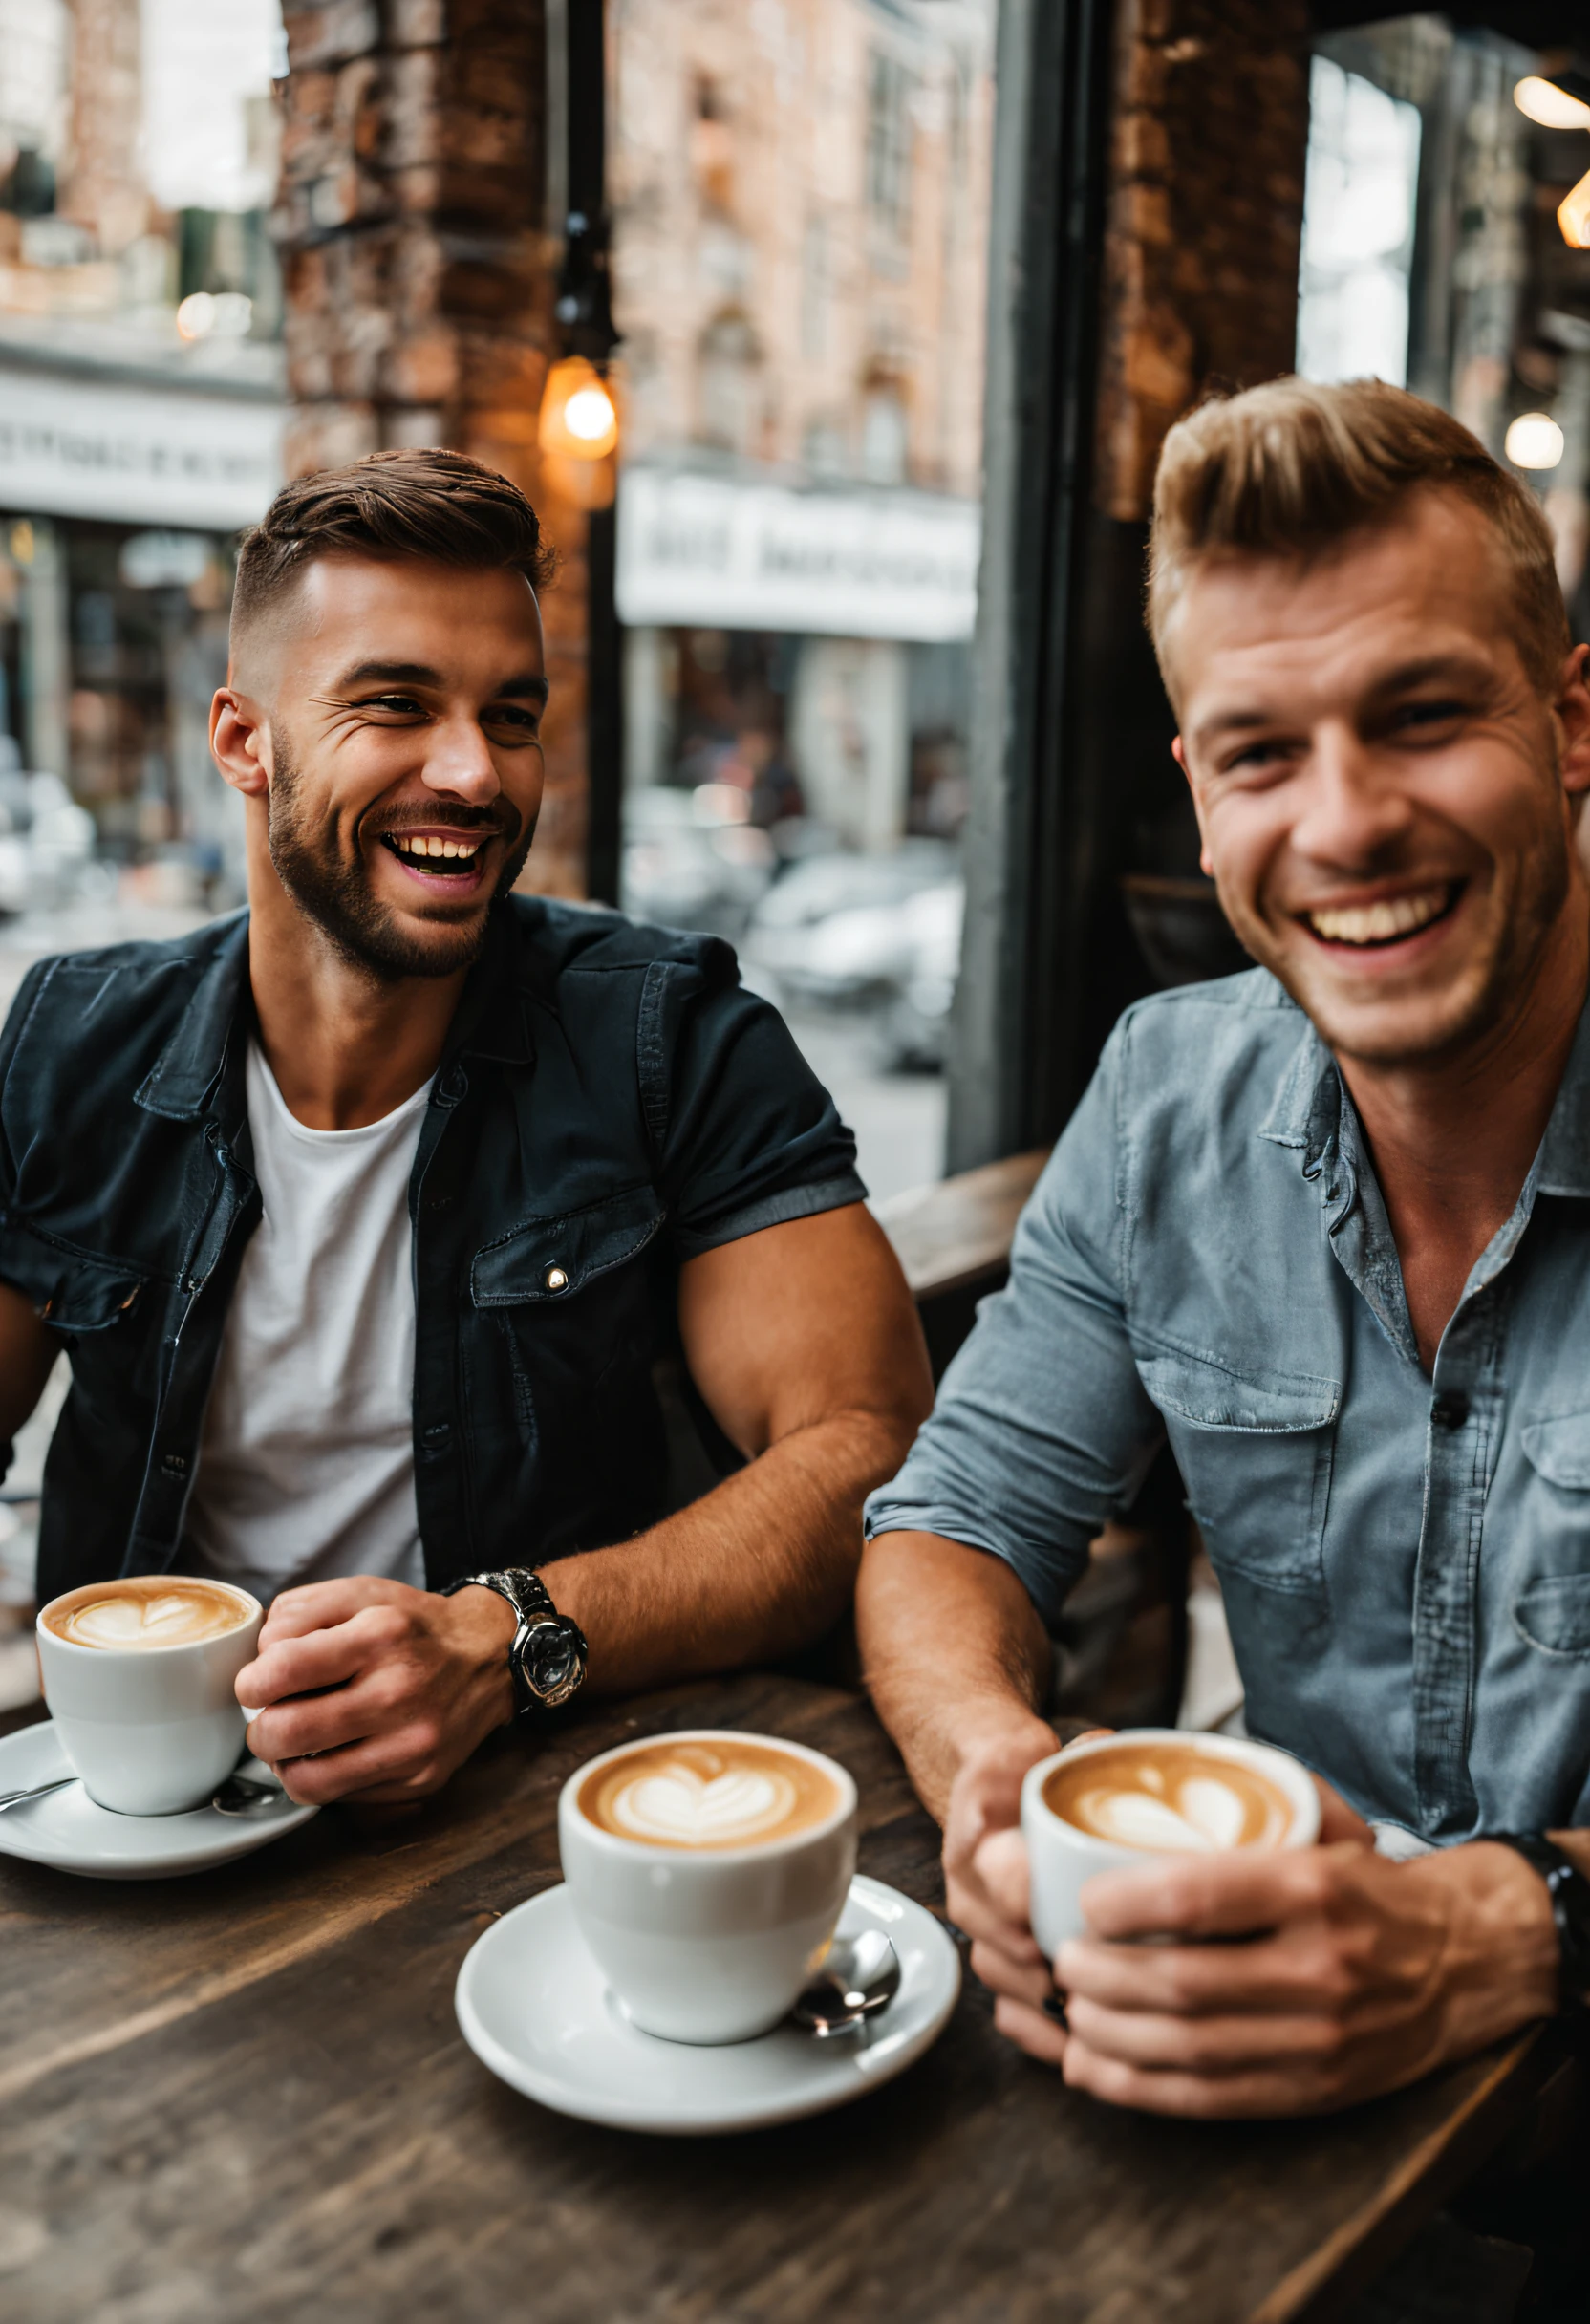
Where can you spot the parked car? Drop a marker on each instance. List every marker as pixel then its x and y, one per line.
pixel 45 839
pixel 879 934
pixel 691 860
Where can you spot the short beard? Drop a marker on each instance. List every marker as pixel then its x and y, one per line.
pixel 337 895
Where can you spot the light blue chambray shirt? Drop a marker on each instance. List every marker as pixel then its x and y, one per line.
pixel 1406 1562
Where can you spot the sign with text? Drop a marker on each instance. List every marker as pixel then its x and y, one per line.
pixel 710 553
pixel 136 455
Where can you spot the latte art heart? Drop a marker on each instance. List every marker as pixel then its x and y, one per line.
pixel 692 1792
pixel 115 1621
pixel 1171 1798
pixel 678 1806
pixel 1204 1814
pixel 138 1614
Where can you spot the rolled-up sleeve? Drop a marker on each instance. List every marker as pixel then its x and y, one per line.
pixel 1043 1429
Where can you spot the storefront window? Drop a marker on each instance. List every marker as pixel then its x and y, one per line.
pixel 1432 253
pixel 800 280
pixel 140 423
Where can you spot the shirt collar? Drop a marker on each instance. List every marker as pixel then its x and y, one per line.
pixel 1306 1113
pixel 490 1021
pixel 1564 1159
pixel 183 1077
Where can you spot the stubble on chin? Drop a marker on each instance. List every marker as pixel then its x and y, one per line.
pixel 338 896
pixel 1390 1032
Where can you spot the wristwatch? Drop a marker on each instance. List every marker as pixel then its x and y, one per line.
pixel 548 1654
pixel 1570 1895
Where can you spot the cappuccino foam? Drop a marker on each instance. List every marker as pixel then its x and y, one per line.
pixel 698 1795
pixel 143 1612
pixel 1170 1797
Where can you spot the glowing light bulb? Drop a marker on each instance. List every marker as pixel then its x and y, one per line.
pixel 589 414
pixel 1572 215
pixel 1543 101
pixel 579 418
pixel 1534 441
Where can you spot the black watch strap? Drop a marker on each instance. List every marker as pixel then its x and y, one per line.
pixel 547 1659
pixel 1570 1894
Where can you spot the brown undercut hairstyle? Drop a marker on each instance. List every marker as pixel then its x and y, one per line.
pixel 1291 469
pixel 442 507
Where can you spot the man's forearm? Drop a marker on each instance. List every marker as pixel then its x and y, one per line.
pixel 953 1653
pixel 761 1566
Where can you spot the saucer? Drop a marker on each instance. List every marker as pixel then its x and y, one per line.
pixel 70 1831
pixel 533 2007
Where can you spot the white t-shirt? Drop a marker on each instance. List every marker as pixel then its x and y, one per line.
pixel 305 1465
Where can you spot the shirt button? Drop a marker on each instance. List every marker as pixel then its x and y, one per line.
pixel 1449 1411
pixel 555 1279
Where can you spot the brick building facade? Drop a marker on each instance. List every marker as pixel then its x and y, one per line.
pixel 801 204
pixel 1204 216
pixel 419 283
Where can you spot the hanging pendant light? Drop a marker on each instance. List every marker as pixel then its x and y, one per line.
pixel 1562 100
pixel 1572 215
pixel 579 414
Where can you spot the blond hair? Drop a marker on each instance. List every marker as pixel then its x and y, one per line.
pixel 1291 468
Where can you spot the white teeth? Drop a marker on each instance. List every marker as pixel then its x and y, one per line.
pixel 1378 923
pixel 420 845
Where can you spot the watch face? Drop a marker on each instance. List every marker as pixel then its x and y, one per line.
pixel 554 1662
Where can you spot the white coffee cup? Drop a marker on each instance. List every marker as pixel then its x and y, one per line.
pixel 708 1943
pixel 1061 1859
pixel 150 1730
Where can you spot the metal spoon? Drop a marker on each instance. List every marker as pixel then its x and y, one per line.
pixel 34 1791
pixel 859 1976
pixel 242 1796
pixel 238 1795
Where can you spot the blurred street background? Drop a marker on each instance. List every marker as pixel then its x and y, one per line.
pixel 839 401
pixel 233 246
pixel 796 254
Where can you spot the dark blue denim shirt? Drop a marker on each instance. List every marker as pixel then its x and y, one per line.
pixel 611 1103
pixel 1405 1560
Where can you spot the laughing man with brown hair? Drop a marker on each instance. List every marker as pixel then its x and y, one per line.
pixel 365 1216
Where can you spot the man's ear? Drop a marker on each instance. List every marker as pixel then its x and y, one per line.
pixel 1572 713
pixel 240 741
pixel 1206 863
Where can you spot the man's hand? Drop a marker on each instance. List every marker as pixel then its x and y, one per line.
pixel 370 1688
pixel 985 1862
pixel 1348 1975
pixel 1357 1976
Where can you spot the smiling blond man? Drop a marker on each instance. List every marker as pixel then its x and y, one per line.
pixel 366 1215
pixel 1327 1228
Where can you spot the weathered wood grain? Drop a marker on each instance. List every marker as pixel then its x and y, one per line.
pixel 951 1236
pixel 245 2096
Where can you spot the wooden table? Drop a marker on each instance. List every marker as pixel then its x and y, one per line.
pixel 953 1240
pixel 956 1236
pixel 244 2096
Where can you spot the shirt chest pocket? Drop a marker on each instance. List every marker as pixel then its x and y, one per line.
pixel 550 1262
pixel 1552 1611
pixel 72 1292
pixel 1255 1450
